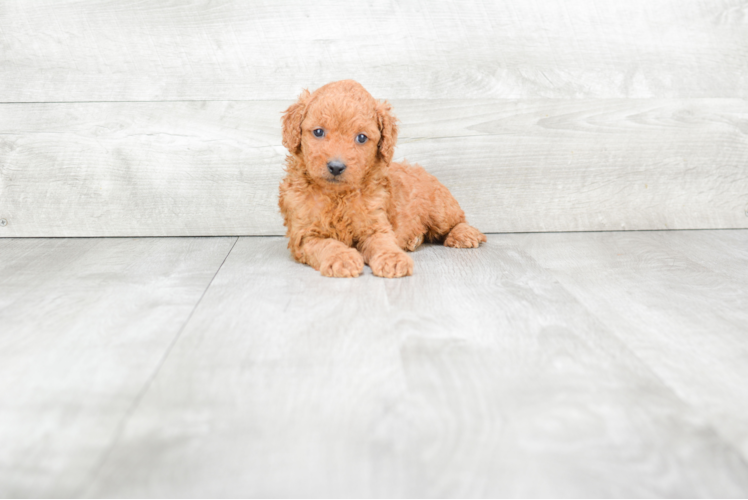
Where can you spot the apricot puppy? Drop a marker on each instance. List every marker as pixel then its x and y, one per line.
pixel 343 200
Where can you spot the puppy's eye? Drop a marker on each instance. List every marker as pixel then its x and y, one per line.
pixel 318 132
pixel 361 138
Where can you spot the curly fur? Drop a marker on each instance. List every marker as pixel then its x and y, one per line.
pixel 373 211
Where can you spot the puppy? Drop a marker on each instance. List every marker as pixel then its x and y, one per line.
pixel 343 200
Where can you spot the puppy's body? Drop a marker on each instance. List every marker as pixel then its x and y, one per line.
pixel 345 203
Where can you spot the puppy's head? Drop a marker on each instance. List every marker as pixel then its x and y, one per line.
pixel 340 133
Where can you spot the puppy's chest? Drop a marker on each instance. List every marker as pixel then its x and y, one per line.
pixel 345 218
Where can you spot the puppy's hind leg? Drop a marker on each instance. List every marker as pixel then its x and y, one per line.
pixel 464 236
pixel 414 243
pixel 409 236
pixel 448 223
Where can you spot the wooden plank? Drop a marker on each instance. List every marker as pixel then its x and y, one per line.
pixel 230 49
pixel 213 168
pixel 84 324
pixel 141 169
pixel 677 300
pixel 591 165
pixel 480 376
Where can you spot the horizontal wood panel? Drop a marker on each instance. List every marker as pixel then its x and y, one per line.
pixel 163 50
pixel 213 168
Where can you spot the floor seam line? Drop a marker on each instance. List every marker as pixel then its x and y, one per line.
pixel 147 385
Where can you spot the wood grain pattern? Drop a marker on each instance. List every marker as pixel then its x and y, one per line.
pixel 212 168
pixel 163 50
pixel 84 324
pixel 679 303
pixel 141 169
pixel 479 376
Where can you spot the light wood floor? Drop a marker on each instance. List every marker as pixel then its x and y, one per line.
pixel 557 364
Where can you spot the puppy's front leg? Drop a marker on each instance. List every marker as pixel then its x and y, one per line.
pixel 331 257
pixel 385 257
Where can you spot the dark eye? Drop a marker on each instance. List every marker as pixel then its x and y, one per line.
pixel 361 138
pixel 318 132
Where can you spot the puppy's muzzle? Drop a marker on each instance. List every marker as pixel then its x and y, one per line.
pixel 335 167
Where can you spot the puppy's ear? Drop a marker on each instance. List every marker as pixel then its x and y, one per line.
pixel 388 129
pixel 292 119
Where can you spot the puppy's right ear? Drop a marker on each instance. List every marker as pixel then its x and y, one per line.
pixel 292 119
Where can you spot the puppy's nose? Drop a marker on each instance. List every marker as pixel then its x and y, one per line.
pixel 335 167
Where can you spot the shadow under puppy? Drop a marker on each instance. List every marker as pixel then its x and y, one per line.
pixel 343 200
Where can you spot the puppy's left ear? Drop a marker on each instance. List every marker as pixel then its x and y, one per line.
pixel 388 129
pixel 292 119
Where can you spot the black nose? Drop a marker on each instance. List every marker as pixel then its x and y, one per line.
pixel 335 167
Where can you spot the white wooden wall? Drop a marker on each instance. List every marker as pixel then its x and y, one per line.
pixel 162 118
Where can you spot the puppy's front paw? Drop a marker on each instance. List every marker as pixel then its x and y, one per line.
pixel 392 265
pixel 346 263
pixel 464 236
